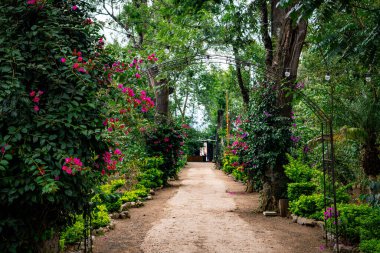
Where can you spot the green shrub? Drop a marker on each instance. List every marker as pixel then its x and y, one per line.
pixel 295 190
pixel 117 184
pixel 100 217
pixel 142 192
pixel 134 195
pixel 113 206
pixel 370 226
pixel 151 163
pixel 297 171
pixel 228 160
pixel 49 112
pixel 151 178
pixel 239 175
pixel 130 196
pixel 112 186
pixel 166 141
pixel 74 233
pixel 308 206
pixel 357 222
pixel 370 246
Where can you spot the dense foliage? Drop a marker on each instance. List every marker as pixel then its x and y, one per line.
pixel 62 117
pixel 167 141
pixel 50 110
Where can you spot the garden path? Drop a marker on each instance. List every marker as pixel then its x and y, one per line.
pixel 207 213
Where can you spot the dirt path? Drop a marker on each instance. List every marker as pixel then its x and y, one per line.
pixel 206 212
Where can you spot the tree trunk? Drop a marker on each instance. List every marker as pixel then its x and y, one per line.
pixel 370 157
pixel 162 101
pixel 287 42
pixel 243 89
pixel 217 142
pixel 49 246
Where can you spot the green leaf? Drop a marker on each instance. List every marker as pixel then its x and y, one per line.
pixel 4 162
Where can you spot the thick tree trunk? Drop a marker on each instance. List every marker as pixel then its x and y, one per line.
pixel 287 42
pixel 162 101
pixel 370 157
pixel 49 246
pixel 243 89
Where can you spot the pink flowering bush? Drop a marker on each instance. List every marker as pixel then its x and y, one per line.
pixel 63 117
pixel 167 142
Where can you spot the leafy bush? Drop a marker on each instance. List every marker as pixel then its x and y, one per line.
pixel 154 162
pixel 100 217
pixel 370 225
pixel 358 224
pixel 308 206
pixel 113 206
pixel 151 178
pixel 74 233
pixel 295 190
pixel 117 184
pixel 297 171
pixel 50 110
pixel 239 175
pixel 166 141
pixel 228 161
pixel 370 246
pixel 135 195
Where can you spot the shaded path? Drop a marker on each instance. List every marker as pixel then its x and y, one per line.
pixel 207 213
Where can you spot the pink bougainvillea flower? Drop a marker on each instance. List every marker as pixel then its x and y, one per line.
pixel 166 139
pixel 68 160
pixel 36 108
pixel 76 65
pixel 31 2
pixel 74 8
pixel 79 53
pixel 109 129
pixel 144 109
pixel 138 76
pixel 32 93
pixel 82 70
pixel 103 172
pixel 120 86
pixel 80 59
pixel 88 21
pixel 63 60
pixel 36 99
pixel 78 162
pixel 117 151
pixel 105 122
pixel 40 92
pixel 130 92
pixel 138 101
